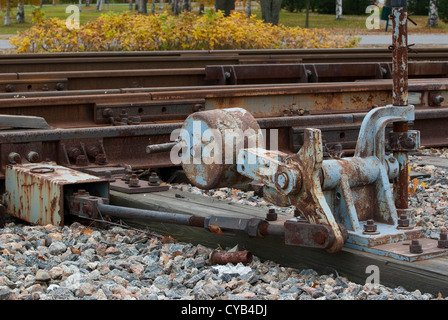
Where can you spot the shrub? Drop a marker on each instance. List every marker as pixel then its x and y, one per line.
pixel 187 31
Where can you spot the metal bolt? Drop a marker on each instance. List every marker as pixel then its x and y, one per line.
pixel 154 179
pixel 409 143
pixel 271 215
pixel 415 247
pixel 33 157
pixel 283 180
pixel 9 88
pixel 107 113
pixel 134 120
pixel 108 176
pixel 127 175
pixel 92 151
pixel 14 158
pixel 443 241
pixel 82 160
pixel 403 221
pixel 133 181
pixel 370 226
pixel 123 116
pixel 81 192
pixel 73 153
pixel 438 99
pixel 60 86
pixel 198 107
pixel 100 159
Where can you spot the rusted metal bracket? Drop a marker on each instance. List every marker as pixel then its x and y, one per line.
pixel 404 141
pixel 35 191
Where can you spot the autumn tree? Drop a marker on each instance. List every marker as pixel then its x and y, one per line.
pixel 338 9
pixel 20 17
pixel 433 15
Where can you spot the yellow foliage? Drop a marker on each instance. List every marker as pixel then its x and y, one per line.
pixel 187 31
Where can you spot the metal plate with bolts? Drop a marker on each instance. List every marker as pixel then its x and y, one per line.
pixel 400 250
pixel 122 186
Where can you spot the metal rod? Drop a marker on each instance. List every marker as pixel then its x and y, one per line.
pixel 400 93
pixel 162 147
pixel 152 216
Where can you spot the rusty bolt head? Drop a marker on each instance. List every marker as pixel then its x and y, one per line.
pixel 60 86
pixel 409 143
pixel 134 120
pixel 92 151
pixel 438 99
pixel 271 215
pixel 443 241
pixel 370 226
pixel 415 247
pixel 81 192
pixel 198 107
pixel 107 113
pixel 14 158
pixel 403 221
pixel 33 157
pixel 100 159
pixel 282 180
pixel 82 160
pixel 9 88
pixel 73 152
pixel 134 181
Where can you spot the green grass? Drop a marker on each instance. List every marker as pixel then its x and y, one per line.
pixel 87 14
pixel 350 24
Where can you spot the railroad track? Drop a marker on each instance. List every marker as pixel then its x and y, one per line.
pixel 48 62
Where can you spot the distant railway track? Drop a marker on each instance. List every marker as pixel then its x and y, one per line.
pixel 80 61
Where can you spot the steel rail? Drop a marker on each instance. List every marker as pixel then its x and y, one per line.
pixel 188 59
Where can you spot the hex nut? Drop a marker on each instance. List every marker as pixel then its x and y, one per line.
pixel 415 247
pixel 370 226
pixel 443 241
pixel 271 215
